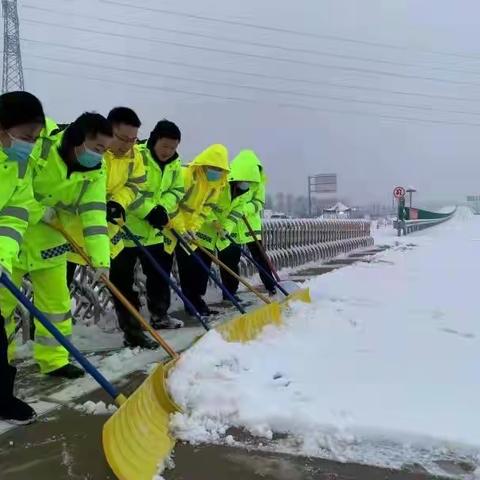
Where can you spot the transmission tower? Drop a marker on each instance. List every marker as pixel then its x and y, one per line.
pixel 12 56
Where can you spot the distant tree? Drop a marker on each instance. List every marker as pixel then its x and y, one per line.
pixel 268 202
pixel 280 202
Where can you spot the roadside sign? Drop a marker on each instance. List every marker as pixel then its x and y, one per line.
pixel 398 192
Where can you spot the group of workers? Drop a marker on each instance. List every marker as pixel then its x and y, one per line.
pixel 94 180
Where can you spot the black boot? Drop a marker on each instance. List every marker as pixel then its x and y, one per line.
pixel 67 371
pixel 17 412
pixel 12 409
pixel 133 335
pixel 165 321
pixel 137 338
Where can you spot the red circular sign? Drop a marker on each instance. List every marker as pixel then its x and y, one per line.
pixel 398 192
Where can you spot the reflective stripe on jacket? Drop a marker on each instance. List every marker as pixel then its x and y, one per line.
pixel 201 195
pixel 162 187
pixel 16 202
pixel 75 195
pixel 255 205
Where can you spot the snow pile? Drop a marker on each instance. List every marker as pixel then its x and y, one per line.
pixel 99 408
pixel 382 368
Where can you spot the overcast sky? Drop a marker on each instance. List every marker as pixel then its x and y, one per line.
pixel 356 84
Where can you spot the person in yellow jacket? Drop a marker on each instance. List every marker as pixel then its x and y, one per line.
pixel 125 175
pixel 252 210
pixel 243 180
pixel 21 120
pixel 146 216
pixel 68 181
pixel 205 177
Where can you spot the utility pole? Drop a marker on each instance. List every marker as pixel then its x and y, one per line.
pixel 12 78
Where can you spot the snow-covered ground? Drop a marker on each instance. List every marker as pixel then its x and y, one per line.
pixel 382 367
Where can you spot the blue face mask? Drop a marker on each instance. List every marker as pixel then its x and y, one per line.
pixel 243 185
pixel 89 158
pixel 213 175
pixel 19 151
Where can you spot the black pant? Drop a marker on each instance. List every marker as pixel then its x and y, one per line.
pixel 267 278
pixel 71 267
pixel 230 256
pixel 122 270
pixel 193 277
pixel 7 372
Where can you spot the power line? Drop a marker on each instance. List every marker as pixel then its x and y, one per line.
pixel 286 30
pixel 250 43
pixel 381 115
pixel 253 74
pixel 256 88
pixel 256 102
pixel 256 56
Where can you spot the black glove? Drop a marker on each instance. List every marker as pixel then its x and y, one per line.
pixel 157 217
pixel 115 212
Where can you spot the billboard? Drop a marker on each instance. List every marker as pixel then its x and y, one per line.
pixel 323 183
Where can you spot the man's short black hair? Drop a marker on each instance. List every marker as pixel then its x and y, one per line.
pixel 164 129
pixel 19 108
pixel 88 124
pixel 124 115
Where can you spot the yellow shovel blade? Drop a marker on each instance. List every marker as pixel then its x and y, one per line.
pixel 136 438
pixel 246 327
pixel 302 295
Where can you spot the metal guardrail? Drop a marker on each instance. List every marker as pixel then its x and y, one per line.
pixel 295 242
pixel 290 243
pixel 409 226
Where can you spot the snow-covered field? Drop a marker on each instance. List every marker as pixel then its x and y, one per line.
pixel 382 368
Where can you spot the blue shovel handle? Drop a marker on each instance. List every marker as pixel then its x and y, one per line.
pixel 165 276
pixel 259 267
pixel 88 367
pixel 211 274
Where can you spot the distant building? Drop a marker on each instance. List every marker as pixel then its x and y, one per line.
pixel 339 210
pixel 473 202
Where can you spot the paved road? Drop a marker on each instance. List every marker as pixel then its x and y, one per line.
pixel 66 445
pixel 49 451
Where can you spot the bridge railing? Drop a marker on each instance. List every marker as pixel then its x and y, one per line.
pixel 290 243
pixel 294 242
pixel 430 219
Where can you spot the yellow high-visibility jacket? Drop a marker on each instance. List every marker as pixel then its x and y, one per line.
pixel 71 194
pixel 16 202
pixel 163 186
pixel 125 178
pixel 201 194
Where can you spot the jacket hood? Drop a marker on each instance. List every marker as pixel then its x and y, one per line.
pixel 50 127
pixel 244 168
pixel 213 156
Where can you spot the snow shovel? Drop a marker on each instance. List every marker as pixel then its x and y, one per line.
pixel 295 293
pixel 261 248
pixel 117 293
pixel 118 398
pixel 136 435
pixel 247 326
pixel 184 244
pixel 257 265
pixel 163 274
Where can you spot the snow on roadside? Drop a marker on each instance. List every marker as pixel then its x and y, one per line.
pixel 98 408
pixel 381 368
